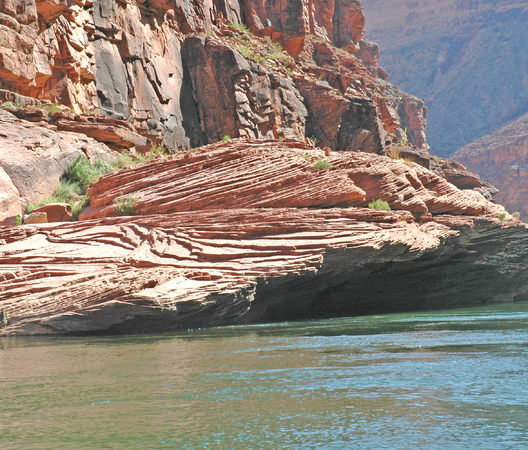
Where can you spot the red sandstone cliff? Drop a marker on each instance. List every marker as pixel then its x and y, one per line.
pixel 183 78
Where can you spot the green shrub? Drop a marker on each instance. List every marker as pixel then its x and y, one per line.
pixel 226 138
pixel 51 109
pixel 322 164
pixel 67 190
pixel 79 206
pixel 125 206
pixel 122 161
pixel 84 173
pixel 307 157
pixel 239 26
pixel 9 105
pixel 276 52
pixel 153 153
pixel 502 217
pixel 157 150
pixel 380 205
pixel 18 220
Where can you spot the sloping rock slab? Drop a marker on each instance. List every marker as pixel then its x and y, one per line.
pixel 208 268
pixel 278 174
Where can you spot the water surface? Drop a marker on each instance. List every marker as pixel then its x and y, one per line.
pixel 441 380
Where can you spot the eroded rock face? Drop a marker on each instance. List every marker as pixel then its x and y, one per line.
pixel 34 158
pixel 500 158
pixel 234 97
pixel 182 78
pixel 245 232
pixel 340 22
pixel 279 174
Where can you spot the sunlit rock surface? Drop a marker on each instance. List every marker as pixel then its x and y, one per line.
pixel 206 259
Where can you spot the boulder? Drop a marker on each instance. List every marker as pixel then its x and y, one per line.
pixel 36 217
pixel 56 212
pixel 9 196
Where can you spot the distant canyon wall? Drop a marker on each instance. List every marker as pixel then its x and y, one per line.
pixel 501 158
pixel 468 59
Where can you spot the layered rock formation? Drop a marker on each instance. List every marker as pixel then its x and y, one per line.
pixel 500 158
pixel 33 158
pixel 223 261
pixel 183 78
pixel 264 227
pixel 278 174
pixel 467 59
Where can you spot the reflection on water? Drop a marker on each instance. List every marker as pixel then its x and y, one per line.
pixel 441 380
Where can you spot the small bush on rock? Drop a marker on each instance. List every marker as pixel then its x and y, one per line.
pixel 380 205
pixel 502 217
pixel 322 164
pixel 8 105
pixel 51 109
pixel 84 173
pixel 239 26
pixel 125 206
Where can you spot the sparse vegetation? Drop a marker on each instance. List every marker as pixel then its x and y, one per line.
pixel 239 26
pixel 307 157
pixel 51 109
pixel 322 164
pixel 122 161
pixel 404 141
pixel 245 51
pixel 66 192
pixel 502 217
pixel 82 174
pixel 380 205
pixel 408 162
pixel 394 153
pixel 157 150
pixel 79 206
pixel 226 138
pixel 125 206
pixel 276 52
pixel 9 105
pixel 516 215
pixel 18 220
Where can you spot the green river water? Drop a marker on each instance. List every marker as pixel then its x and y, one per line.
pixel 441 380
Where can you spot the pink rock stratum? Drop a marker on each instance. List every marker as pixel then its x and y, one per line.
pixel 231 265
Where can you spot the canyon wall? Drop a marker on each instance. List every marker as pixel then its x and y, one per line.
pixel 501 159
pixel 183 78
pixel 468 59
